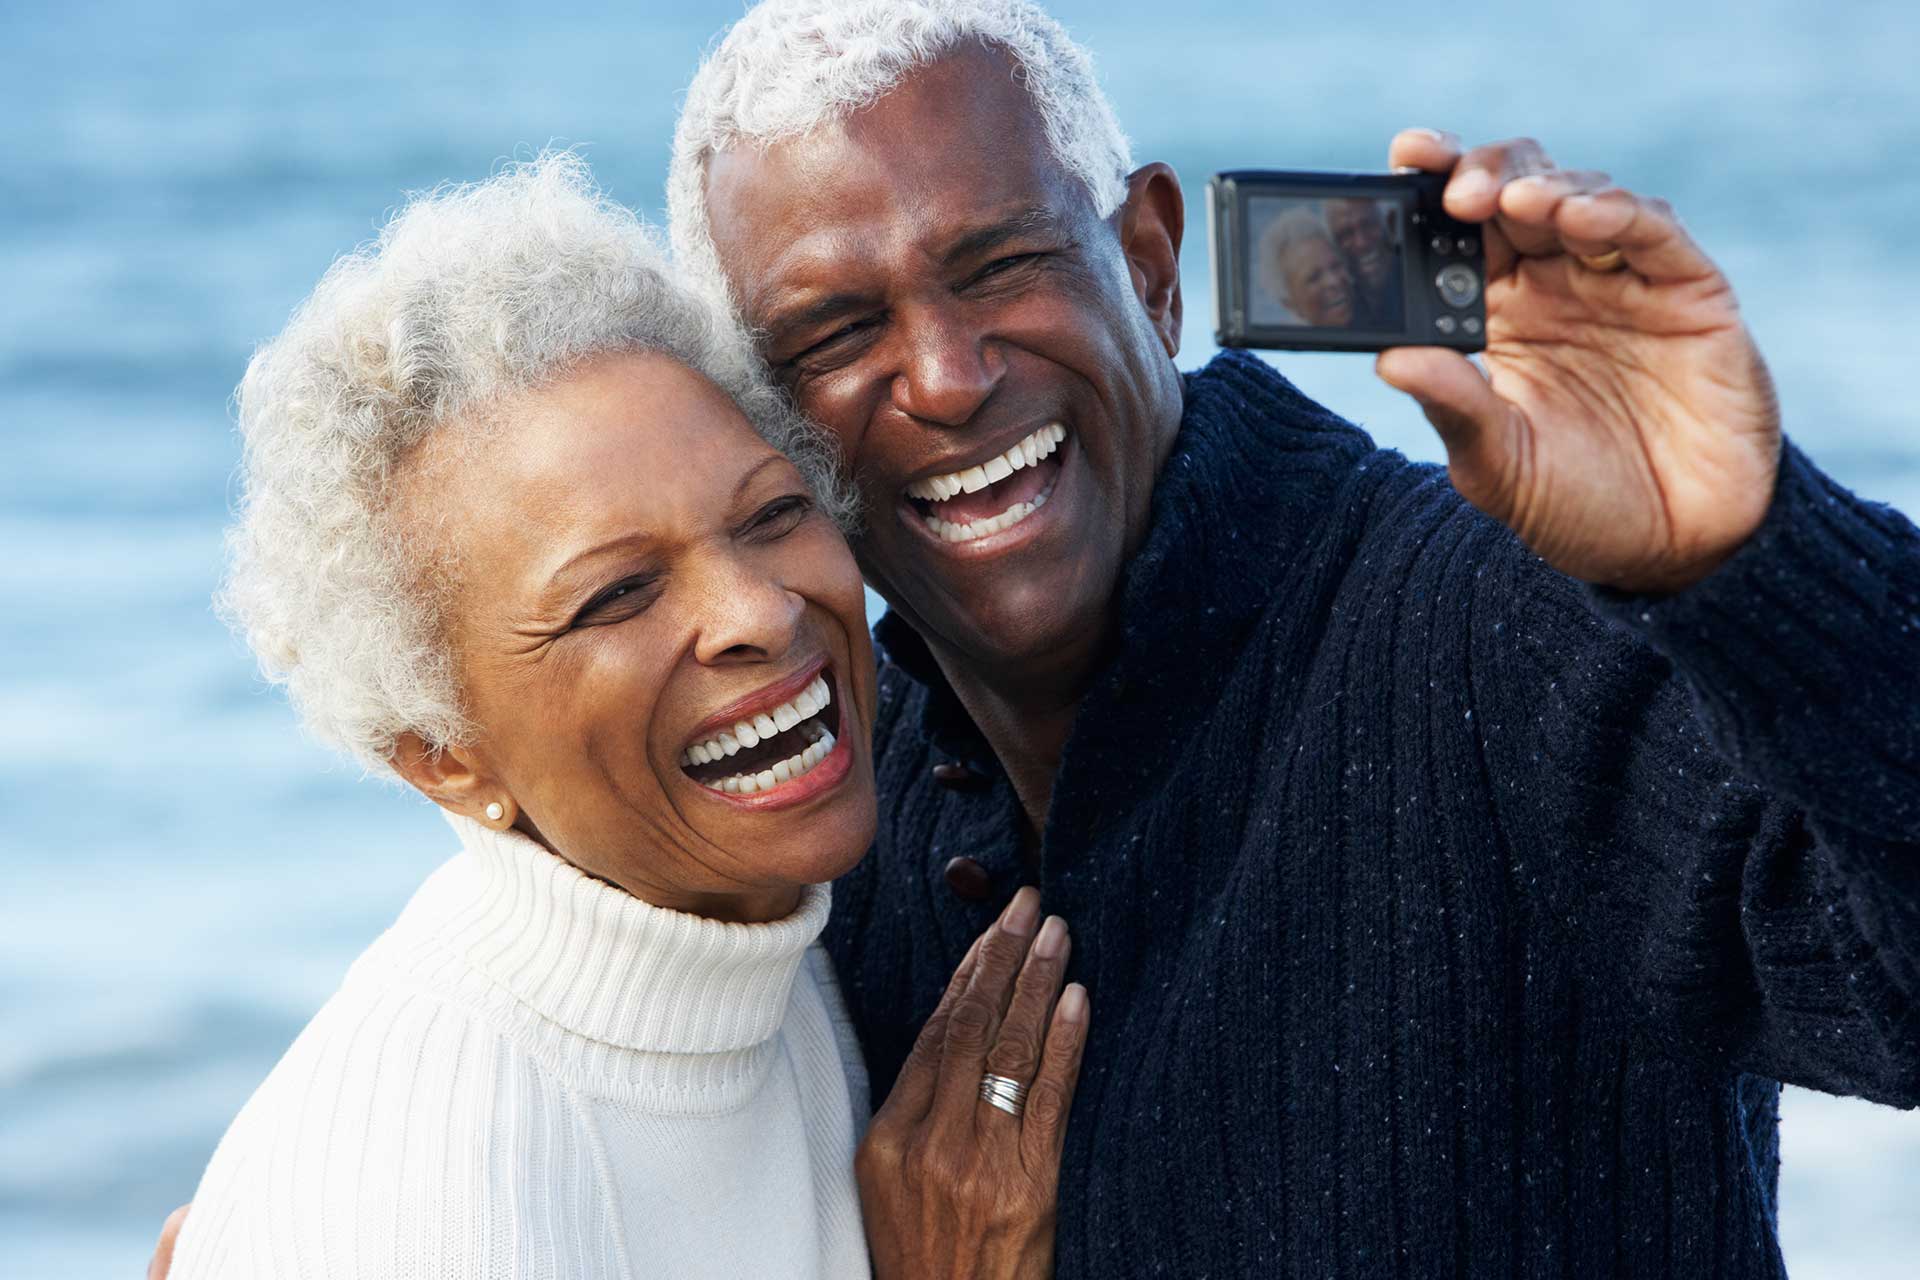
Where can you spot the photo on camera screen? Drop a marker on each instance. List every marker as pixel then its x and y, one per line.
pixel 1327 262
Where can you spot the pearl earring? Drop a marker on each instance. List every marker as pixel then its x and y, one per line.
pixel 495 811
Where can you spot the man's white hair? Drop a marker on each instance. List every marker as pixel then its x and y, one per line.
pixel 790 66
pixel 469 296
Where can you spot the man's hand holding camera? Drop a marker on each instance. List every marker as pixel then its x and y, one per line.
pixel 1626 426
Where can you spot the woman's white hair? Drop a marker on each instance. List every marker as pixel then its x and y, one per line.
pixel 790 66
pixel 469 296
pixel 1292 228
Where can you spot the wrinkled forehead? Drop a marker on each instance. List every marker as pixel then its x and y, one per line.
pixel 955 146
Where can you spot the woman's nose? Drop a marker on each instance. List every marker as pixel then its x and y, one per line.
pixel 747 617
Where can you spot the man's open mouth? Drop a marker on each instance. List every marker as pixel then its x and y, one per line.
pixel 769 747
pixel 994 495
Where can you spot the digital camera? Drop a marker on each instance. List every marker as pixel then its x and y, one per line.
pixel 1342 262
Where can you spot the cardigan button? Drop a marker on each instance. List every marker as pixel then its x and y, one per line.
pixel 969 880
pixel 959 776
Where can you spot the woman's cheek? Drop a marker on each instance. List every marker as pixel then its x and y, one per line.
pixel 822 569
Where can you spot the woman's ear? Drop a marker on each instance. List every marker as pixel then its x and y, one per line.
pixel 454 779
pixel 1152 223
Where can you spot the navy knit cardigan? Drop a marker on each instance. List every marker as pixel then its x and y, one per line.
pixel 1441 916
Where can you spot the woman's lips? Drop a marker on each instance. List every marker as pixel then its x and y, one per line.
pixel 776 755
pixel 764 703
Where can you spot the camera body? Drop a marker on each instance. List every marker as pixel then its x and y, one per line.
pixel 1342 262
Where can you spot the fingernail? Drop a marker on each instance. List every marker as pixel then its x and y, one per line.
pixel 1073 1003
pixel 1431 134
pixel 1472 183
pixel 1052 940
pixel 1023 913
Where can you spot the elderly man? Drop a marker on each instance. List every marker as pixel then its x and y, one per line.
pixel 1458 866
pixel 1359 227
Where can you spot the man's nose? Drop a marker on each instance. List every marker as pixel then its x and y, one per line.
pixel 746 616
pixel 948 371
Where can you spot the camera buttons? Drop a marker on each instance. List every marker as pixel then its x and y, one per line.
pixel 1471 324
pixel 1442 245
pixel 1459 285
pixel 1468 246
pixel 1444 324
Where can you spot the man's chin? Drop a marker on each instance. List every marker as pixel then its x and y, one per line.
pixel 1011 622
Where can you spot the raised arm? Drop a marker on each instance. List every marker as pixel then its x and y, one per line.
pixel 1723 787
pixel 1724 738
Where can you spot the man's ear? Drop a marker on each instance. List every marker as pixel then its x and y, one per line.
pixel 1152 222
pixel 454 779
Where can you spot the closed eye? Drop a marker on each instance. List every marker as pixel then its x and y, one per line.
pixel 624 599
pixel 839 342
pixel 778 518
pixel 1013 265
pixel 999 265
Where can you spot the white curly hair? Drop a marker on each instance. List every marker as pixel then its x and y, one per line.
pixel 469 296
pixel 790 66
pixel 1292 228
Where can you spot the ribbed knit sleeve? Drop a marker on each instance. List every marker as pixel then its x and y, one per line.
pixel 1728 783
pixel 1803 652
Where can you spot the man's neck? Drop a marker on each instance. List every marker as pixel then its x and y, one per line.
pixel 1026 712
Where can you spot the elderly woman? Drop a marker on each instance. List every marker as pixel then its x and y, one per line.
pixel 1303 268
pixel 522 529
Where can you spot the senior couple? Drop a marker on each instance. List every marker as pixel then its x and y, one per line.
pixel 1459 859
pixel 1334 263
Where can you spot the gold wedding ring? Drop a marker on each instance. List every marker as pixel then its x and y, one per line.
pixel 1611 260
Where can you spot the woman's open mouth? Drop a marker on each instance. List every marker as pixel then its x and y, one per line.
pixel 982 500
pixel 770 749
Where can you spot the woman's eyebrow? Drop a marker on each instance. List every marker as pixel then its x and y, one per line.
pixel 772 459
pixel 557 587
pixel 556 594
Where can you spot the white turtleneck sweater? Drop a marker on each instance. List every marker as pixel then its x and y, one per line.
pixel 534 1074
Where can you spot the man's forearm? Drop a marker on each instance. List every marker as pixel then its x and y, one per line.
pixel 1803 653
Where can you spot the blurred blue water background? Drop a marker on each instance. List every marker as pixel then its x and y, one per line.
pixel 185 878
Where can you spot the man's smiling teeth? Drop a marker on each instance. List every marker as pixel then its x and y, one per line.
pixel 806 704
pixel 1025 454
pixel 950 532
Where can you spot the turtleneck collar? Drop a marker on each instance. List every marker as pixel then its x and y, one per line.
pixel 602 964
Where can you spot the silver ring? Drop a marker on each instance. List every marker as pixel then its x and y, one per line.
pixel 1007 1094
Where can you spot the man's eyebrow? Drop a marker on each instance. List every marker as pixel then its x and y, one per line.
pixel 775 315
pixel 1035 220
pixel 818 311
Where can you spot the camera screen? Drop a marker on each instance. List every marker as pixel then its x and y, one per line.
pixel 1327 262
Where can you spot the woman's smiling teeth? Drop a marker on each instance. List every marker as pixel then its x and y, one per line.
pixel 964 521
pixel 812 743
